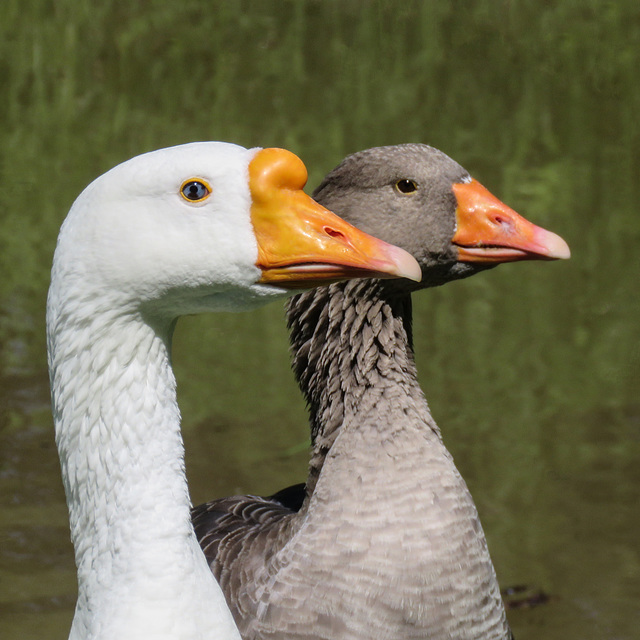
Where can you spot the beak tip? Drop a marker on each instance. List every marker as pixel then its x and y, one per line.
pixel 557 248
pixel 406 265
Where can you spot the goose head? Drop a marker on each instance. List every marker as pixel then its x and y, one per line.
pixel 204 227
pixel 416 197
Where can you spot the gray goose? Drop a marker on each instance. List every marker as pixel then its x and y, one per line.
pixel 384 541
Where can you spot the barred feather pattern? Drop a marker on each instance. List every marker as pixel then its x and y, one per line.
pixel 387 543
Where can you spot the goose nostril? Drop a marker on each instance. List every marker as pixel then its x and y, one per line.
pixel 333 233
pixel 501 221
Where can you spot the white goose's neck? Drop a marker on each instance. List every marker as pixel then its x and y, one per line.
pixel 141 573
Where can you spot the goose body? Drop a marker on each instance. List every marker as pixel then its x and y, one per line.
pixel 384 541
pixel 190 229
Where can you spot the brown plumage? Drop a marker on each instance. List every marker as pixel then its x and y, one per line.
pixel 384 541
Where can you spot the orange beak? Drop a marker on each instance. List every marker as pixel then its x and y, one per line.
pixel 300 243
pixel 489 231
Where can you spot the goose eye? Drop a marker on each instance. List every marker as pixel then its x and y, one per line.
pixel 194 190
pixel 406 186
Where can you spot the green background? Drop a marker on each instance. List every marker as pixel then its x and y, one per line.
pixel 532 370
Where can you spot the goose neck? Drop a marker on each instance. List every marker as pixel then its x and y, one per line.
pixel 141 573
pixel 352 356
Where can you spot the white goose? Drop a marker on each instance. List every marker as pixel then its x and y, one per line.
pixel 195 228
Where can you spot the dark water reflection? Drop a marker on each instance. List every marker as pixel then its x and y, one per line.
pixel 531 370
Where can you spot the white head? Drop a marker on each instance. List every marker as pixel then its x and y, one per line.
pixel 207 226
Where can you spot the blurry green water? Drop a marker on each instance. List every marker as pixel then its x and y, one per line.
pixel 532 370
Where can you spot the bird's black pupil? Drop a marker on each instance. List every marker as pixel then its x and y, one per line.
pixel 194 190
pixel 406 185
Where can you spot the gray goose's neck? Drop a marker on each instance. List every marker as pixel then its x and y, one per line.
pixel 352 350
pixel 381 481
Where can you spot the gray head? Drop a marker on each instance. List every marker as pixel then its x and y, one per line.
pixel 418 198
